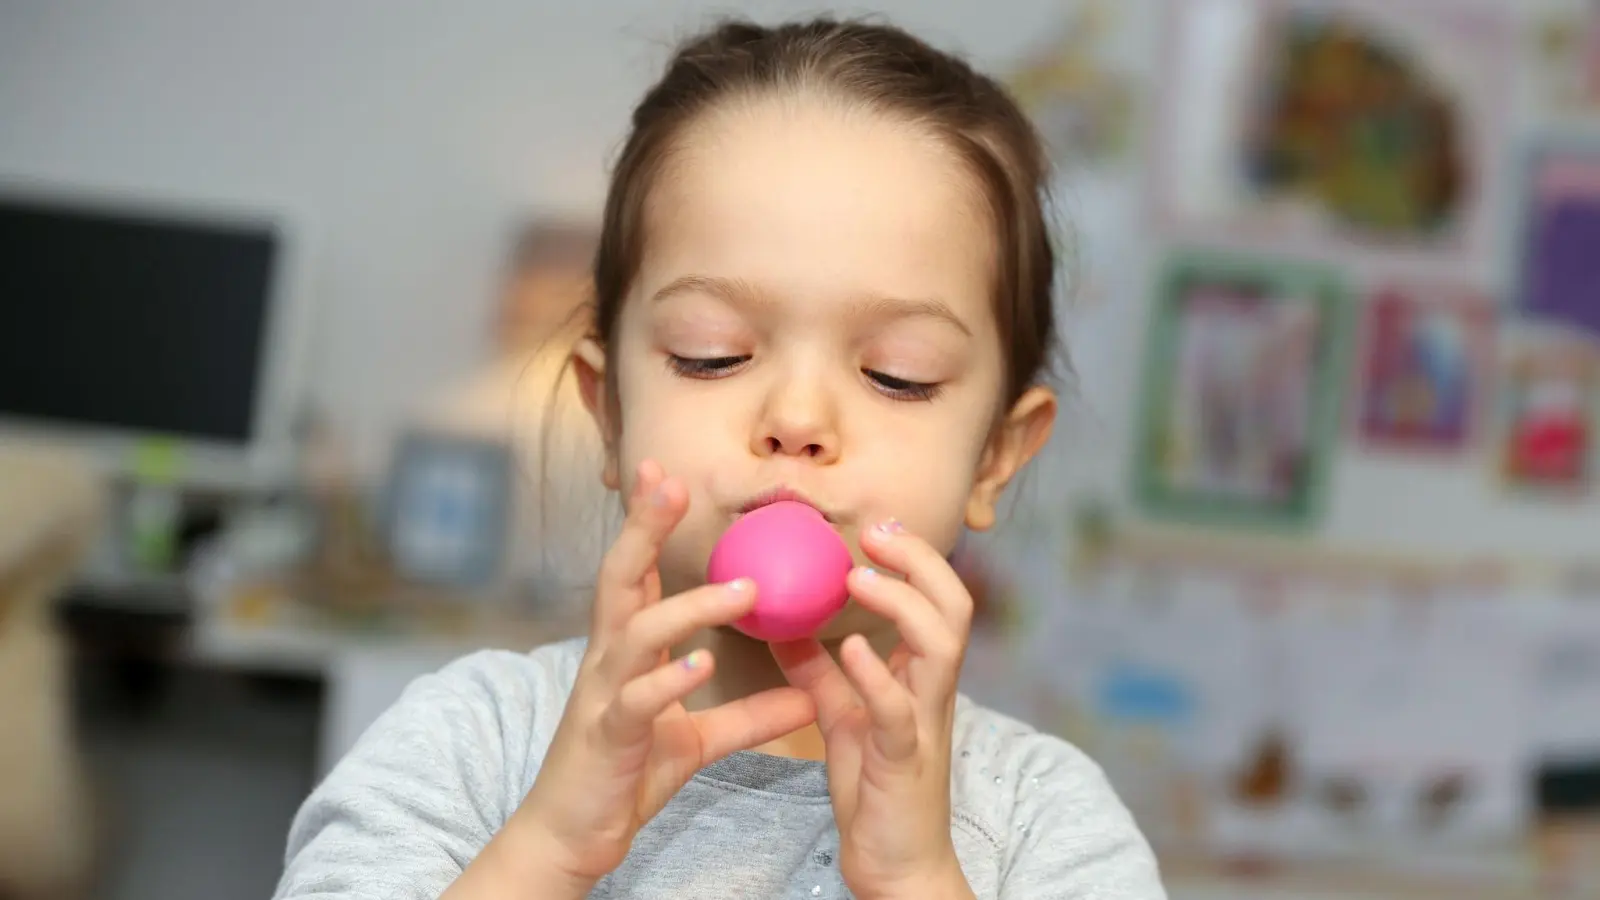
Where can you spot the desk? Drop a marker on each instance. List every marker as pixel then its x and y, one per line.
pixel 364 668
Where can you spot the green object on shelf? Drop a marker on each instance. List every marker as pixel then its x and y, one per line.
pixel 156 461
pixel 154 506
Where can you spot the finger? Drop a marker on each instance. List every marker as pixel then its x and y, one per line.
pixel 631 715
pixel 893 713
pixel 919 622
pixel 655 507
pixel 930 641
pixel 752 721
pixel 661 626
pixel 891 546
pixel 807 666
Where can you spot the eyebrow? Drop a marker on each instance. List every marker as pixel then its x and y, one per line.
pixel 743 293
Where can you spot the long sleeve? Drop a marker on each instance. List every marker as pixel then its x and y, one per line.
pixel 423 790
pixel 1075 838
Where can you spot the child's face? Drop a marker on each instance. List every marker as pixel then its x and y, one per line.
pixel 817 268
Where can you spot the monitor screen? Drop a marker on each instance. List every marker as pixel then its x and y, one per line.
pixel 140 323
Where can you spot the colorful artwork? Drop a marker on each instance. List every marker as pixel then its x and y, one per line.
pixel 1311 126
pixel 447 507
pixel 1082 106
pixel 1560 280
pixel 1567 44
pixel 1424 364
pixel 1549 420
pixel 1351 123
pixel 1239 389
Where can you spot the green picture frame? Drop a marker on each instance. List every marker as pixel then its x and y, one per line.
pixel 1243 379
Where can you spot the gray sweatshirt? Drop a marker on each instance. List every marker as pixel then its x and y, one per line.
pixel 433 779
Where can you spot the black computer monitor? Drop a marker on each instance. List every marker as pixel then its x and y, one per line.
pixel 125 323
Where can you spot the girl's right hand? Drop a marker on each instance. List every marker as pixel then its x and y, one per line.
pixel 626 744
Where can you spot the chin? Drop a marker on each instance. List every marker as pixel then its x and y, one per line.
pixel 852 619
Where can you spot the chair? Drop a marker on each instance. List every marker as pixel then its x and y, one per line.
pixel 50 508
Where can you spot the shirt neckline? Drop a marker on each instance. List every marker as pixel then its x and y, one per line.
pixel 772 774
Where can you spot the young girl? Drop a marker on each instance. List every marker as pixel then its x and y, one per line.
pixel 825 275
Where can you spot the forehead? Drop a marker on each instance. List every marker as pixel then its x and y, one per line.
pixel 815 201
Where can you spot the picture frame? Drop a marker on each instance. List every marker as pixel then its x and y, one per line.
pixel 1426 359
pixel 1084 104
pixel 1549 395
pixel 447 508
pixel 1564 44
pixel 1260 146
pixel 1241 390
pixel 1557 272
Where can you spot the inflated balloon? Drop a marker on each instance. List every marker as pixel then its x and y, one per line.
pixel 798 563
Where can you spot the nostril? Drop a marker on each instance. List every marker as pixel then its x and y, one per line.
pixel 813 449
pixel 774 445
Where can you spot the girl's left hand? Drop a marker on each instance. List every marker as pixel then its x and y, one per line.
pixel 887 726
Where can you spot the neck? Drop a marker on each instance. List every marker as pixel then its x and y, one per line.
pixel 744 667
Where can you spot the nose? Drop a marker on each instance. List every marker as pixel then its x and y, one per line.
pixel 799 420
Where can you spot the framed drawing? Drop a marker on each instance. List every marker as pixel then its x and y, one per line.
pixel 1343 126
pixel 1558 279
pixel 1083 105
pixel 1241 390
pixel 1565 39
pixel 1548 404
pixel 447 509
pixel 1426 353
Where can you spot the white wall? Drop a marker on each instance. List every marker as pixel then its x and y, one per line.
pixel 412 135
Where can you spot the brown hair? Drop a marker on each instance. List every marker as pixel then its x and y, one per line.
pixel 885 69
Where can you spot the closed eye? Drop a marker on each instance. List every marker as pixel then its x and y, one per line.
pixel 901 388
pixel 707 368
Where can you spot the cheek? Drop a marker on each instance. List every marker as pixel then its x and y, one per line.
pixel 642 417
pixel 925 480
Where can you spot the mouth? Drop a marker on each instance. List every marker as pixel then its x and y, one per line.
pixel 781 495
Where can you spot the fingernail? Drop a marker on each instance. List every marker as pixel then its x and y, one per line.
pixel 658 497
pixel 740 586
pixel 891 526
pixel 867 571
pixel 694 660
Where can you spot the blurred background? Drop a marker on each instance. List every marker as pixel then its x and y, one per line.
pixel 1312 566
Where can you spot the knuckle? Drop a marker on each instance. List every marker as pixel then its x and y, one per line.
pixel 904 716
pixel 610 570
pixel 626 704
pixel 588 670
pixel 598 684
pixel 644 520
pixel 614 719
pixel 597 716
pixel 636 634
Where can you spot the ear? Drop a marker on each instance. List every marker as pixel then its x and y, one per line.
pixel 1017 440
pixel 589 364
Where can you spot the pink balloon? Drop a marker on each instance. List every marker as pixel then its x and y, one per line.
pixel 798 563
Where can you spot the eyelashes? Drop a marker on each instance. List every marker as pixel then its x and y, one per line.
pixel 901 388
pixel 714 367
pixel 705 369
